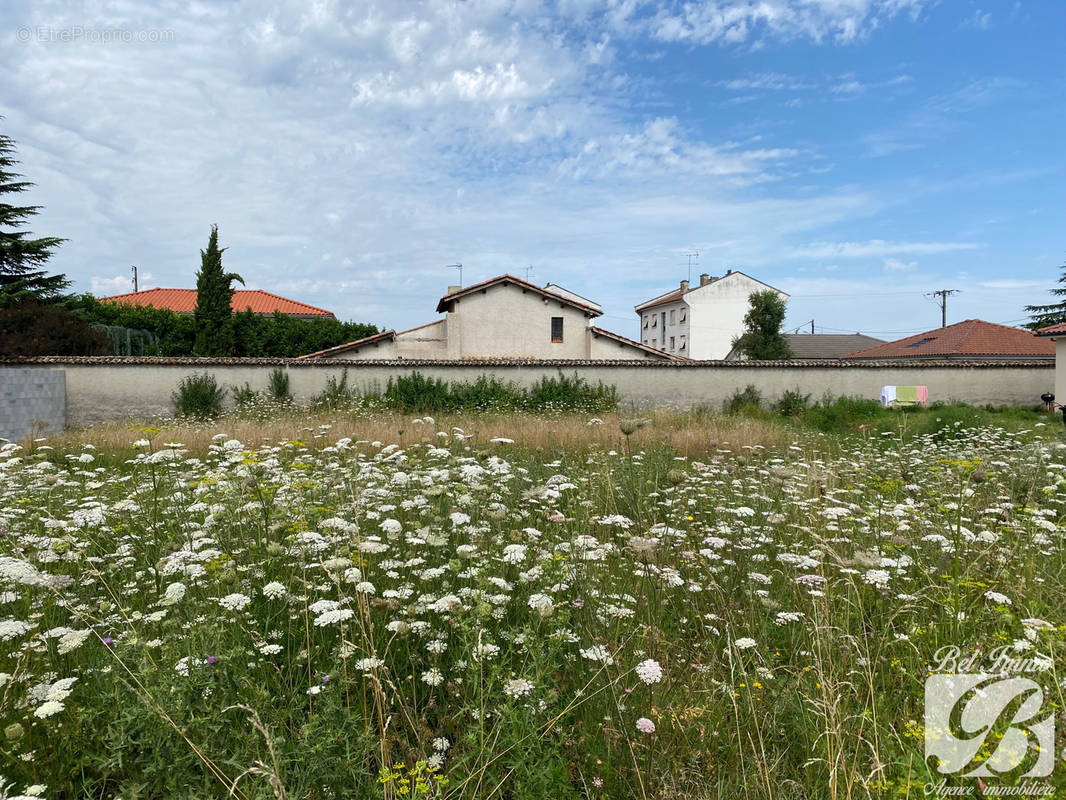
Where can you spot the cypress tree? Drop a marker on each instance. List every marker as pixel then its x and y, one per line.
pixel 21 258
pixel 213 314
pixel 762 339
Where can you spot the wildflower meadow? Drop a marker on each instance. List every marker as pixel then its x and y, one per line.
pixel 446 615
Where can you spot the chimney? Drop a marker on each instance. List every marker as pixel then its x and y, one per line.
pixel 705 279
pixel 453 289
pixel 684 286
pixel 729 272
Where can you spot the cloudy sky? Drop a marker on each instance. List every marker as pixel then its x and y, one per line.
pixel 854 153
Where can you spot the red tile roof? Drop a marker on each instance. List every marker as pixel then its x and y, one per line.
pixel 669 297
pixel 446 301
pixel 971 338
pixel 183 301
pixel 1051 330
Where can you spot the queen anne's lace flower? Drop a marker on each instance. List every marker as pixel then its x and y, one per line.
pixel 649 671
pixel 234 602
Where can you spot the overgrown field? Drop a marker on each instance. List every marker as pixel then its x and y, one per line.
pixel 441 616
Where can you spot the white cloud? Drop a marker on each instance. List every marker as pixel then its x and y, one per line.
pixel 980 20
pixel 877 248
pixel 895 265
pixel 843 21
pixel 399 138
pixel 773 81
pixel 120 284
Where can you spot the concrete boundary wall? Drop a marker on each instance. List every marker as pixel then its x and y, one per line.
pixel 108 389
pixel 32 401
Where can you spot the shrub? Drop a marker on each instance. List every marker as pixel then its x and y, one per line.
pixel 792 403
pixel 244 396
pixel 278 386
pixel 571 393
pixel 840 414
pixel 199 397
pixel 337 394
pixel 741 401
pixel 417 393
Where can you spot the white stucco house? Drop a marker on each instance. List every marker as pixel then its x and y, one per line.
pixel 504 317
pixel 1057 334
pixel 700 322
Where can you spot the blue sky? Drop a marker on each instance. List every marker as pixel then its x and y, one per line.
pixel 857 154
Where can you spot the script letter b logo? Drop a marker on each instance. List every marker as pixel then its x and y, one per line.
pixel 961 711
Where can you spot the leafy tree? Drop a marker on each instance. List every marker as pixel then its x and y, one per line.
pixel 21 258
pixel 762 339
pixel 214 298
pixel 1053 314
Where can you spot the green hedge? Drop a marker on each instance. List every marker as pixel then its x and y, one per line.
pixel 165 333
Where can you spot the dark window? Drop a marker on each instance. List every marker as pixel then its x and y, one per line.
pixel 557 329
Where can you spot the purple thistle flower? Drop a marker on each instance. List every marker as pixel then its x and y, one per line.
pixel 107 640
pixel 212 659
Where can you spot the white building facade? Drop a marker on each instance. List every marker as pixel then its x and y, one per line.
pixel 700 322
pixel 502 318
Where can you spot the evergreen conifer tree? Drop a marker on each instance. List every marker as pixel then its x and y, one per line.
pixel 213 314
pixel 1051 314
pixel 21 258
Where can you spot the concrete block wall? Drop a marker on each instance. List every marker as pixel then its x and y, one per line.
pixel 32 400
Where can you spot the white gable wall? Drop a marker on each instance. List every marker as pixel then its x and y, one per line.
pixel 717 314
pixel 507 321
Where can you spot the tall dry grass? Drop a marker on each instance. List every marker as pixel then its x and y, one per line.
pixel 690 434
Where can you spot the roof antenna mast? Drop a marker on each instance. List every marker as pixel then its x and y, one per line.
pixel 529 271
pixel 458 266
pixel 695 254
pixel 135 289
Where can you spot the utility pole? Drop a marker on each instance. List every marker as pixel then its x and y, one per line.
pixel 458 266
pixel 943 294
pixel 135 289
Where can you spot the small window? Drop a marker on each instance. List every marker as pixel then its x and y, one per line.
pixel 654 342
pixel 684 315
pixel 682 342
pixel 671 342
pixel 654 321
pixel 557 329
pixel 645 322
pixel 673 316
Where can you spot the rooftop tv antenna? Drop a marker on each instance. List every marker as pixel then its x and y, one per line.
pixel 943 294
pixel 458 266
pixel 690 256
pixel 529 271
